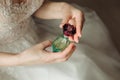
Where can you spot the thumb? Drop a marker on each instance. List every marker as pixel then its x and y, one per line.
pixel 46 44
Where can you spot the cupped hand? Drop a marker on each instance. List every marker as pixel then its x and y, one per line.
pixel 39 55
pixel 74 17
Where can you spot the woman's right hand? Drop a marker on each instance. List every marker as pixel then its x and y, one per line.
pixel 39 55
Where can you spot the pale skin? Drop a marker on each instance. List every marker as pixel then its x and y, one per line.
pixel 38 54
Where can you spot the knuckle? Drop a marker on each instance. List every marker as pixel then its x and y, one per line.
pixel 80 13
pixel 47 42
pixel 65 59
pixel 42 44
pixel 63 56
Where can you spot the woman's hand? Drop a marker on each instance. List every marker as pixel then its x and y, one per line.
pixel 74 17
pixel 39 55
pixel 64 11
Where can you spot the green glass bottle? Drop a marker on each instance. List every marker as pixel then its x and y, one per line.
pixel 62 41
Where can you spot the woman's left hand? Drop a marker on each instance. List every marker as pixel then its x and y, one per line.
pixel 74 17
pixel 64 11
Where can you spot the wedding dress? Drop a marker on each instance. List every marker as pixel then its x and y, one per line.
pixel 95 58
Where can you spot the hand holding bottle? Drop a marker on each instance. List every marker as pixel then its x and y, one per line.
pixel 75 17
pixel 61 42
pixel 39 55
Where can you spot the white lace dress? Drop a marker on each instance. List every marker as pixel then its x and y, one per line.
pixel 95 57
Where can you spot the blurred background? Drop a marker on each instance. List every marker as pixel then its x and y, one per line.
pixel 108 11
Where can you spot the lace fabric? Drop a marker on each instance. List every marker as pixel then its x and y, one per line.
pixel 14 21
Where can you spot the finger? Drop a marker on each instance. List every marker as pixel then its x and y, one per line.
pixel 68 50
pixel 78 26
pixel 64 21
pixel 72 21
pixel 79 23
pixel 76 38
pixel 61 60
pixel 63 54
pixel 67 57
pixel 71 52
pixel 45 44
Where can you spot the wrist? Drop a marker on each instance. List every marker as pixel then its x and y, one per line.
pixel 18 59
pixel 65 9
pixel 12 60
pixel 25 58
pixel 21 59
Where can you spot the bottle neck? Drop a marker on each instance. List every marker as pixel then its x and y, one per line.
pixel 65 36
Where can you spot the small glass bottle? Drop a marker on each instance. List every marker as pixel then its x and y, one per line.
pixel 62 41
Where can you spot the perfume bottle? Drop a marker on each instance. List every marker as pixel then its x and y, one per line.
pixel 62 41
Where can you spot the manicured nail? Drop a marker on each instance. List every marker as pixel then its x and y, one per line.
pixel 77 41
pixel 80 35
pixel 61 25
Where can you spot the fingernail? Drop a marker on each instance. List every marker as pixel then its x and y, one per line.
pixel 80 35
pixel 60 26
pixel 77 41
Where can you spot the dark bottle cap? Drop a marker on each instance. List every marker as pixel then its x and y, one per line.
pixel 69 30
